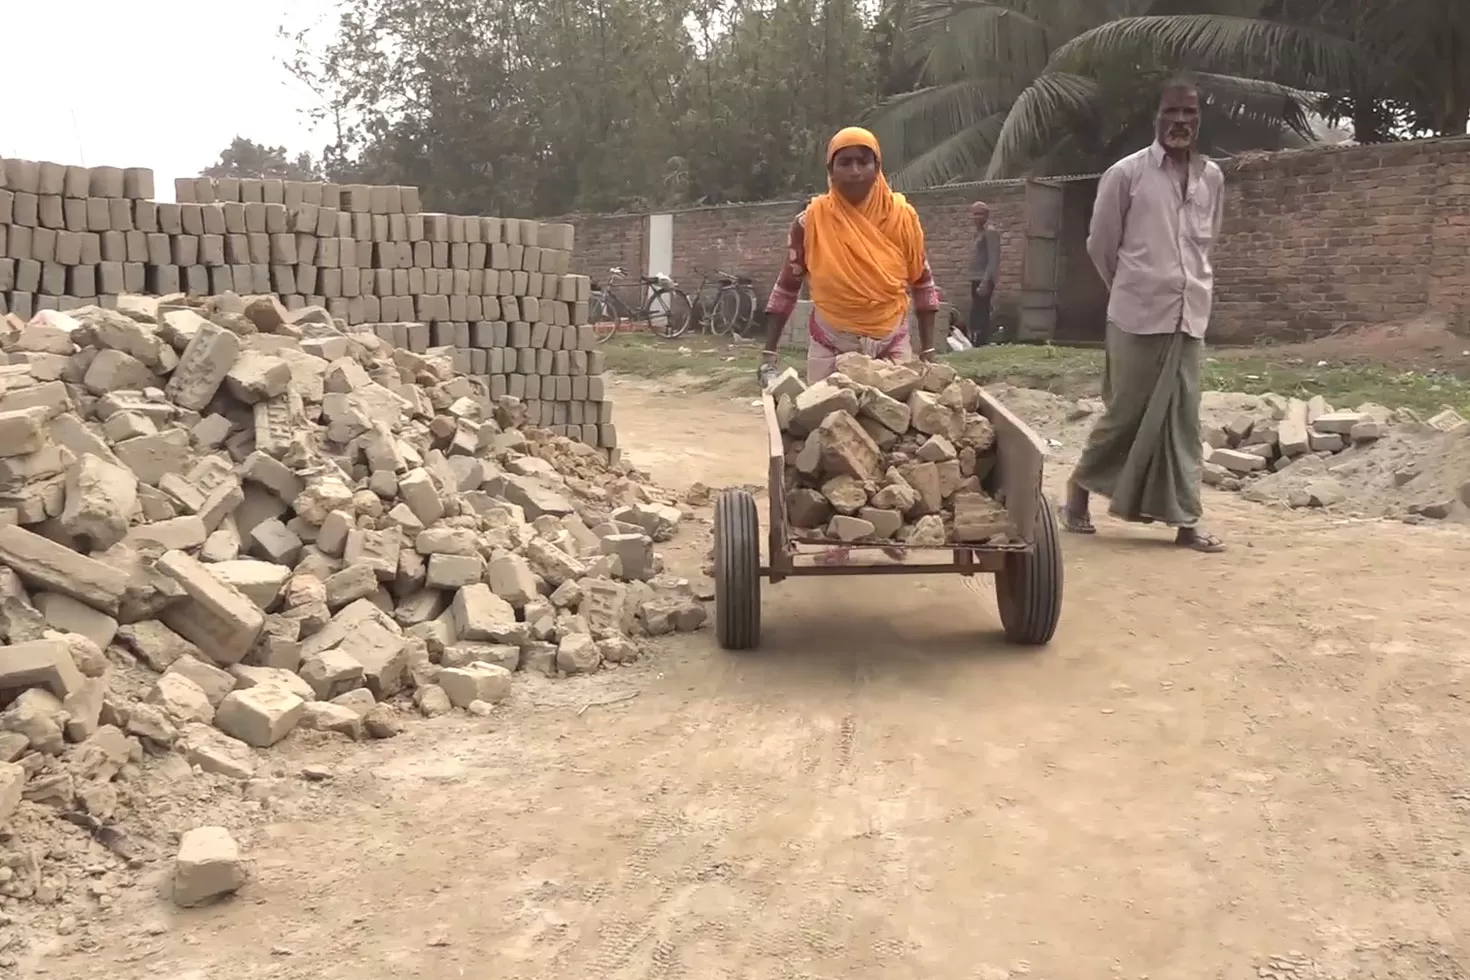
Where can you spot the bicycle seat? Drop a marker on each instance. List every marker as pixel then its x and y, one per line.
pixel 654 280
pixel 745 280
pixel 726 281
pixel 616 270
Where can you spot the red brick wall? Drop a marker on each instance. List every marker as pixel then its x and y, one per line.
pixel 1313 241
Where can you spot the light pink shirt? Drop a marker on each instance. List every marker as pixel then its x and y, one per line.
pixel 1151 242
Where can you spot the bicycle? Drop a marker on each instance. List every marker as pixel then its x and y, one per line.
pixel 664 302
pixel 732 309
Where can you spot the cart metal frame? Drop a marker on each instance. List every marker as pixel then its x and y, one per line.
pixel 1028 572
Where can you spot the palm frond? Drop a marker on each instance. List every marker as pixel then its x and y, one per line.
pixel 1235 97
pixel 959 157
pixel 909 124
pixel 1050 104
pixel 1245 46
pixel 957 39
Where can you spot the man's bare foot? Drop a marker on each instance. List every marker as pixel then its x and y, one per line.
pixel 1198 540
pixel 1074 515
pixel 833 556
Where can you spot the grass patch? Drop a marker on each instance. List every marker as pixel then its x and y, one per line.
pixel 709 364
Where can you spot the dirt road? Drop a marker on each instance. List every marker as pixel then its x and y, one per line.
pixel 1220 760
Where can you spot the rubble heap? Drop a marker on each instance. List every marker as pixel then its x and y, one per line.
pixel 224 521
pixel 881 451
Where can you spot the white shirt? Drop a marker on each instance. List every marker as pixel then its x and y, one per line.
pixel 1151 241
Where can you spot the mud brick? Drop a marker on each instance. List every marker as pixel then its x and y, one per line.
pixel 7 207
pixel 68 249
pixel 171 219
pixel 185 249
pixel 277 219
pixel 273 191
pixel 217 618
pixel 305 278
pixel 7 277
pixel 525 360
pixel 20 241
pixel 160 249
pixel 43 244
pixel 221 279
pixel 254 217
pixel 516 385
pixel 112 246
pixel 48 211
pixel 202 191
pixel 184 190
pixel 191 218
pixel 119 214
pixel 53 279
pixel 45 564
pixel 24 209
pixel 145 216
pixel 544 359
pixel 364 253
pixel 162 278
pixel 378 227
pixel 109 278
pixel 81 280
pixel 138 183
pixel 596 361
pixel 134 277
pixel 533 387
pixel 259 248
pixel 211 250
pixel 283 278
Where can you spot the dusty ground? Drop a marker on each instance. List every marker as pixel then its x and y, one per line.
pixel 1220 759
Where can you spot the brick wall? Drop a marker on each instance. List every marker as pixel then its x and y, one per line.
pixel 1314 240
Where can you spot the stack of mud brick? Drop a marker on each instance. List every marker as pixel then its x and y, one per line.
pixel 496 290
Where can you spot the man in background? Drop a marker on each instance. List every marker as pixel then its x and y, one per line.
pixel 984 271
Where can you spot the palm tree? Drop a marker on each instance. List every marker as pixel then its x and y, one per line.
pixel 1011 86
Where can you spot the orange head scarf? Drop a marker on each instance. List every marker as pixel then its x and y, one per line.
pixel 861 258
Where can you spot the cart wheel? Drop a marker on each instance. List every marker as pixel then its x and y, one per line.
pixel 1029 588
pixel 737 570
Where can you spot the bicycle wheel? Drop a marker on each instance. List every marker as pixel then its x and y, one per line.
pixel 671 305
pixel 750 307
pixel 725 317
pixel 603 315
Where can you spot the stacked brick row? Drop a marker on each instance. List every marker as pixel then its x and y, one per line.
pixel 497 290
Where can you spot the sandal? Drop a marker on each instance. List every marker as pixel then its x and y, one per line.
pixel 1074 523
pixel 833 556
pixel 1197 540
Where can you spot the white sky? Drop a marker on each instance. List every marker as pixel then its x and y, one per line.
pixel 152 83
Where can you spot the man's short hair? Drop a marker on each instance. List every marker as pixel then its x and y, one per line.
pixel 1181 82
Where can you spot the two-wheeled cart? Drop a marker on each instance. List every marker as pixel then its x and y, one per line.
pixel 1027 567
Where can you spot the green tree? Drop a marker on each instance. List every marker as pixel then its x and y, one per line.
pixel 547 106
pixel 246 158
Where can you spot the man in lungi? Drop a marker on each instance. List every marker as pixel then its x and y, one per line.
pixel 1155 221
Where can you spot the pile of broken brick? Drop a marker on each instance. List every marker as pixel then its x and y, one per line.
pixel 883 452
pixel 223 521
pixel 1248 446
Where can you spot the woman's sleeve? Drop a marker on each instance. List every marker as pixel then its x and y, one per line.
pixel 787 289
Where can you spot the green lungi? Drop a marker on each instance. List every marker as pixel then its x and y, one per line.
pixel 1144 454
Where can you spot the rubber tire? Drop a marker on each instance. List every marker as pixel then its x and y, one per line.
pixel 737 570
pixel 1028 591
pixel 679 316
pixel 606 321
pixel 726 313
